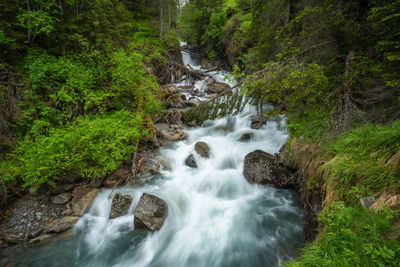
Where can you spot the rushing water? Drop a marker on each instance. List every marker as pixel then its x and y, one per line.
pixel 215 217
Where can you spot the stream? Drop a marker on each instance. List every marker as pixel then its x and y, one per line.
pixel 215 217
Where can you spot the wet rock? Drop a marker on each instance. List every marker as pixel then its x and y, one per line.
pixel 263 168
pixel 174 101
pixel 14 239
pixel 37 232
pixel 193 102
pixel 246 137
pixel 173 116
pixel 41 238
pixel 202 149
pixel 72 178
pixel 367 202
pixel 61 199
pixel 43 189
pixel 217 88
pixel 120 205
pixel 172 89
pixel 257 121
pixel 96 182
pixel 83 197
pixel 150 213
pixel 170 132
pixel 117 177
pixel 207 64
pixel 60 188
pixel 190 161
pixel 62 224
pixel 206 83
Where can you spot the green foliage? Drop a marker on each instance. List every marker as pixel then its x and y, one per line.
pixel 352 236
pixel 368 155
pixel 91 147
pixel 215 35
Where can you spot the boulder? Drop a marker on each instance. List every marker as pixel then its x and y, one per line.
pixel 172 116
pixel 190 161
pixel 257 121
pixel 96 182
pixel 150 213
pixel 202 149
pixel 193 102
pixel 206 83
pixel 170 132
pixel 116 177
pixel 217 88
pixel 62 224
pixel 246 137
pixel 174 101
pixel 72 178
pixel 61 199
pixel 83 198
pixel 263 168
pixel 120 205
pixel 172 89
pixel 60 188
pixel 367 202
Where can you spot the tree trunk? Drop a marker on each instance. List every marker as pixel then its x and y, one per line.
pixel 287 15
pixel 29 21
pixel 169 15
pixel 161 19
pixel 345 105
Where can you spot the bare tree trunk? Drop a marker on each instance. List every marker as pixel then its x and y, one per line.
pixel 287 18
pixel 169 15
pixel 345 105
pixel 29 21
pixel 161 19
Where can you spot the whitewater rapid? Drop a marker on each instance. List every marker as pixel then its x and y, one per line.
pixel 215 217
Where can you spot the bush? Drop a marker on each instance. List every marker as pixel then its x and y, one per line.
pixel 352 236
pixel 91 147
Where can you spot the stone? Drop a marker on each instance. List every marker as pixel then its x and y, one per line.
pixel 190 161
pixel 174 101
pixel 170 132
pixel 217 88
pixel 83 198
pixel 193 102
pixel 263 168
pixel 62 224
pixel 42 190
pixel 120 205
pixel 150 212
pixel 96 182
pixel 172 89
pixel 257 121
pixel 61 199
pixel 72 178
pixel 246 137
pixel 367 202
pixel 60 188
pixel 116 177
pixel 173 116
pixel 41 238
pixel 206 83
pixel 37 232
pixel 14 239
pixel 202 149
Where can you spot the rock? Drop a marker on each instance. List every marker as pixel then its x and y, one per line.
pixel 96 182
pixel 170 132
pixel 62 224
pixel 202 149
pixel 150 212
pixel 172 116
pixel 367 202
pixel 61 199
pixel 37 232
pixel 193 102
pixel 116 177
pixel 72 178
pixel 192 123
pixel 246 137
pixel 42 190
pixel 82 199
pixel 186 87
pixel 257 121
pixel 172 89
pixel 206 83
pixel 263 168
pixel 217 88
pixel 120 205
pixel 174 101
pixel 207 64
pixel 41 238
pixel 60 188
pixel 190 161
pixel 13 239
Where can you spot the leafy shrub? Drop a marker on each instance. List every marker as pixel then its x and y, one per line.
pixel 91 147
pixel 352 236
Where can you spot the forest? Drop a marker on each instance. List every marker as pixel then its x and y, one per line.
pixel 82 81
